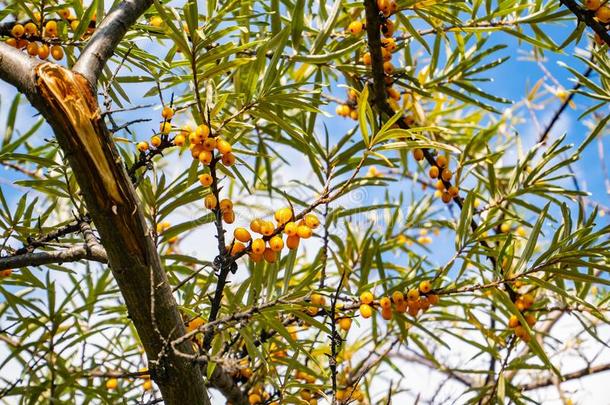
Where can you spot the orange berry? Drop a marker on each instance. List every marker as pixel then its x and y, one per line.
pixel 242 235
pixel 528 300
pixel 283 215
pixel 6 273
pixel 530 319
pixel 267 228
pixel 290 229
pixel 256 257
pixel 513 321
pixel 388 68
pixel 228 216
pixel 397 297
pixel 521 333
pixel 258 246
pixel 11 42
pixel 603 14
pixel 142 146
pixel 446 174
pixel 292 242
pixel 32 49
pixel 386 313
pixel 433 298
pixel 276 243
pixel 453 191
pixel 425 287
pixel 196 150
pixel 303 231
pixel 446 197
pixel 155 141
pixel 345 323
pixel 195 323
pixel 147 385
pixel 226 204
pixel 179 140
pixel 50 28
pixel 433 172
pixel 366 58
pixel 165 127
pixel 592 4
pixel 237 248
pixel 209 144
pixel 223 146
pixel 30 28
pixel 57 52
pixel 366 297
pixel 388 29
pixel 389 44
pixel 311 221
pixel 385 303
pixel 228 159
pixel 318 299
pixel 270 255
pixel 441 161
pixel 210 201
pixel 205 157
pixel 17 31
pixel 418 154
pixel 255 225
pixel 202 131
pixel 413 295
pixel 167 113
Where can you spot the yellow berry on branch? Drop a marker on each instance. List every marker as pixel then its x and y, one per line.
pixel 258 246
pixel 366 297
pixel 142 146
pixel 242 235
pixel 17 31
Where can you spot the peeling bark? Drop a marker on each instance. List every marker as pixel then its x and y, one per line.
pixel 68 102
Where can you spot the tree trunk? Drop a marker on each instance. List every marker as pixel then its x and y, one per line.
pixel 69 104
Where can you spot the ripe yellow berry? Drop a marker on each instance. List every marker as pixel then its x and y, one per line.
pixel 603 14
pixel 50 28
pixel 142 146
pixel 311 221
pixel 65 13
pixel 386 313
pixel 418 154
pixel 528 300
pixel 258 246
pixel 156 21
pixel 446 174
pixel 210 201
pixel 11 42
pixel 353 115
pixel 74 24
pixel 384 6
pixel 425 287
pixel 165 127
pixel 228 159
pixel 290 229
pixel 237 248
pixel 32 49
pixel 226 205
pixel 203 131
pixel 57 52
pixel 223 146
pixel 413 295
pixel 254 399
pixel 389 44
pixel 155 141
pixel 592 4
pixel 521 231
pixel 397 297
pixel 355 27
pixel 318 299
pixel 242 235
pixel 270 255
pixel 30 28
pixel 530 319
pixel 209 144
pixel 228 216
pixel 292 242
pixel 513 321
pixel 276 243
pixel 505 227
pixel 303 231
pixel 17 31
pixel 179 140
pixel 366 311
pixel 255 225
pixel 195 323
pixel 196 150
pixel 366 58
pixel 385 303
pixel 206 180
pixel 112 383
pixel 267 228
pixel 167 113
pixel 366 297
pixel 388 68
pixel 283 215
pixel 433 172
pixel 205 157
pixel 147 385
pixel 345 323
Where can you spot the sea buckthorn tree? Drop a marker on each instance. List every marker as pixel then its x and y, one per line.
pixel 303 202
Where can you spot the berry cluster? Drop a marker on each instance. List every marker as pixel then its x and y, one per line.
pixel 416 299
pixel 602 14
pixel 113 383
pixel 38 37
pixel 523 303
pixel 440 171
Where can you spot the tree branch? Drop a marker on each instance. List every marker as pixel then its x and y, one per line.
pixel 587 371
pixel 73 254
pixel 17 69
pixel 107 36
pixel 588 17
